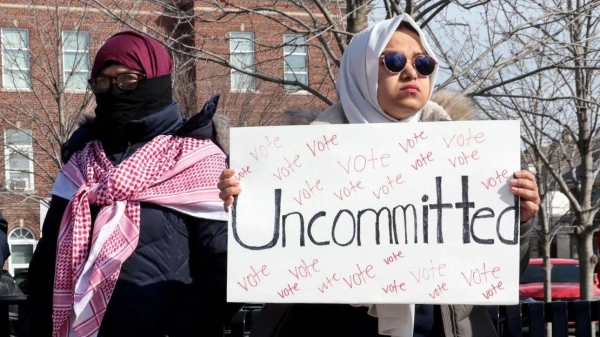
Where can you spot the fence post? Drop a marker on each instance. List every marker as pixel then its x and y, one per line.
pixel 4 320
pixel 537 321
pixel 559 316
pixel 512 321
pixel 583 318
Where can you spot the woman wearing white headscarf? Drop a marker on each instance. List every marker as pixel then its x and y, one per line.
pixel 387 75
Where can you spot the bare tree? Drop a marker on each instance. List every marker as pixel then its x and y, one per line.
pixel 46 64
pixel 538 61
pixel 495 59
pixel 543 141
pixel 513 46
pixel 327 27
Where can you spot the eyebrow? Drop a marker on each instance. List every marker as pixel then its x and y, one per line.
pixel 395 51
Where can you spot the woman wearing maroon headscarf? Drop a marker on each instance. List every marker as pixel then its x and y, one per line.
pixel 134 242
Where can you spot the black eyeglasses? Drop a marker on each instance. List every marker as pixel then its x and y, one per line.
pixel 395 62
pixel 125 81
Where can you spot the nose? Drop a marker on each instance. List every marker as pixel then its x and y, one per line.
pixel 409 72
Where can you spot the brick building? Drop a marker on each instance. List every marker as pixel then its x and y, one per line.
pixel 47 52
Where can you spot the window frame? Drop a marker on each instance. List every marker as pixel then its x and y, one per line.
pixel 85 52
pixel 27 150
pixel 20 242
pixel 291 89
pixel 25 50
pixel 252 68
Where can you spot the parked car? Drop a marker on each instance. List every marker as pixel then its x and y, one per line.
pixel 564 278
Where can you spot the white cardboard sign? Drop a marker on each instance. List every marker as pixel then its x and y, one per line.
pixel 377 213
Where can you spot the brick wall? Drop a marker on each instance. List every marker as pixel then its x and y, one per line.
pixel 52 114
pixel 264 106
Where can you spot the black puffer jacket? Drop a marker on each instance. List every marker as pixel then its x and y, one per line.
pixel 174 283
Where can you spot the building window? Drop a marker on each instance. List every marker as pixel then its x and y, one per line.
pixel 295 61
pixel 19 160
pixel 76 65
pixel 241 48
pixel 22 244
pixel 15 59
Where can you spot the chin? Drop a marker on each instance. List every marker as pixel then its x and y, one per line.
pixel 406 111
pixel 402 115
pixel 409 108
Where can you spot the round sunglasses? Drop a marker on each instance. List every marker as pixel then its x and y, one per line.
pixel 395 62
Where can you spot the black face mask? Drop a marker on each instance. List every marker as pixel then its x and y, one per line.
pixel 117 107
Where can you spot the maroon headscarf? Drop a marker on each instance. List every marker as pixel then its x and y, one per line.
pixel 135 51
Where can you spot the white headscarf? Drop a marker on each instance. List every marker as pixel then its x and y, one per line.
pixel 359 69
pixel 357 88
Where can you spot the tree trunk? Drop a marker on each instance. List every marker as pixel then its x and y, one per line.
pixel 587 263
pixel 547 268
pixel 358 16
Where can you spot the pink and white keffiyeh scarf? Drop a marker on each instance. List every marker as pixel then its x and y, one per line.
pixel 179 173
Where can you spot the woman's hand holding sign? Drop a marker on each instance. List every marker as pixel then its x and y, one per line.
pixel 229 186
pixel 525 187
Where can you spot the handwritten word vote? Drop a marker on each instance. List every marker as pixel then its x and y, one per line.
pixel 253 279
pixel 359 162
pixel 496 180
pixel 394 287
pixel 429 273
pixel 391 183
pixel 322 145
pixel 493 290
pixel 479 275
pixel 360 277
pixel 285 171
pixel 329 282
pixel 264 149
pixel 438 290
pixel 464 139
pixel 425 159
pixel 411 142
pixel 305 270
pixel 347 191
pixel 464 159
pixel 394 257
pixel 308 192
pixel 289 290
pixel 243 173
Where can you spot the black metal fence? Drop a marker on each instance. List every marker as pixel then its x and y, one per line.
pixel 242 321
pixel 573 318
pixel 11 308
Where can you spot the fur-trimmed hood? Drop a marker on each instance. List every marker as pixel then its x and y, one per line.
pixel 458 106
